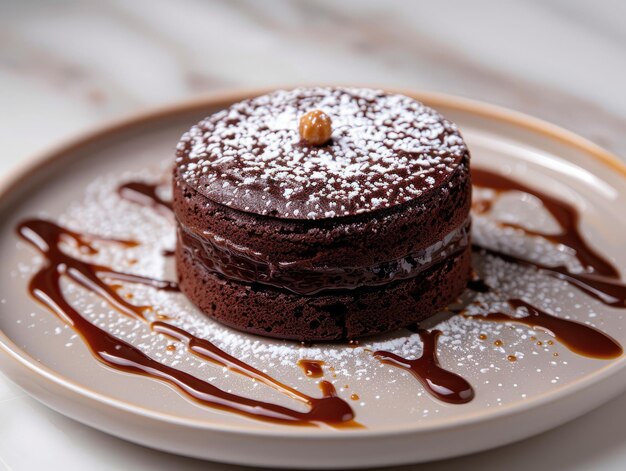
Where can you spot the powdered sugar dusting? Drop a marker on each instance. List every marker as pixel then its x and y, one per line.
pixel 386 149
pixel 477 350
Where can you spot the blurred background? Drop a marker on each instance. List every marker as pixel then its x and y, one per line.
pixel 68 65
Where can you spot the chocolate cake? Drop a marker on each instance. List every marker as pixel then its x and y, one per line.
pixel 322 213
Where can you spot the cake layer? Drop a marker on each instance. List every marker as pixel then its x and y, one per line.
pixel 349 314
pixel 306 277
pixel 386 149
pixel 364 240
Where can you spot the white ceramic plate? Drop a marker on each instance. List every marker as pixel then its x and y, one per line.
pixel 75 185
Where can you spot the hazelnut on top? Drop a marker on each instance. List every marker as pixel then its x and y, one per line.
pixel 315 128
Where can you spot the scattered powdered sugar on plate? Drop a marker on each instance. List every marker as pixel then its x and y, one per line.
pixel 478 350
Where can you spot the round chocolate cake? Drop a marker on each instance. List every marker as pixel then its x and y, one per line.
pixel 322 213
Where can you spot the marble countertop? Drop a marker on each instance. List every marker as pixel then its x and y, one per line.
pixel 69 65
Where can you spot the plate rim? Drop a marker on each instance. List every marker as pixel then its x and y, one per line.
pixel 47 157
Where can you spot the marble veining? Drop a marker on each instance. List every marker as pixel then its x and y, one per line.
pixel 69 65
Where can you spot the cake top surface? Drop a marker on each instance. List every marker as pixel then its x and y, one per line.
pixel 385 150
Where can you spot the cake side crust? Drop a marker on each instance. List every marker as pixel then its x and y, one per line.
pixel 341 316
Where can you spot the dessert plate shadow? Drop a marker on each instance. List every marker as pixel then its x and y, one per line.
pixel 525 380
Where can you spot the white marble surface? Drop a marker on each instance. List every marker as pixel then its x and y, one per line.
pixel 68 65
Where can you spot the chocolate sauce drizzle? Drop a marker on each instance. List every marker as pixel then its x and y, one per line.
pixel 478 285
pixel 45 286
pixel 145 194
pixel 565 214
pixel 600 280
pixel 312 368
pixel 302 277
pixel 579 338
pixel 441 383
pixel 47 238
pixel 608 290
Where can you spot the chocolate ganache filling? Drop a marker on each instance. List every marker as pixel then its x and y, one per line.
pixel 219 255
